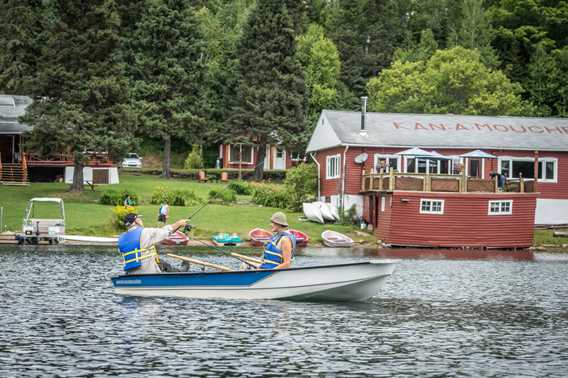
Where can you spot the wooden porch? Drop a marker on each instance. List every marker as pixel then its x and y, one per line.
pixel 424 182
pixel 14 173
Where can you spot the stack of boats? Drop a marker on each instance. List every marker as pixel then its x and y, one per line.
pixel 320 212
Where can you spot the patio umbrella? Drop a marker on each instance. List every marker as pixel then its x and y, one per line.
pixel 417 152
pixel 478 154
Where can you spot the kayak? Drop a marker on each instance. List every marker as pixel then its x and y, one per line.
pixel 89 240
pixel 326 212
pixel 258 236
pixel 302 238
pixel 341 282
pixel 226 239
pixel 177 238
pixel 336 239
pixel 312 212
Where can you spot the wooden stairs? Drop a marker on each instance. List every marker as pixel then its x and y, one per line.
pixel 14 173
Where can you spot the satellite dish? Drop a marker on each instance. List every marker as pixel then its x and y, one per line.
pixel 361 158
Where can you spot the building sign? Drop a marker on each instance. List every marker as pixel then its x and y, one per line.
pixel 485 127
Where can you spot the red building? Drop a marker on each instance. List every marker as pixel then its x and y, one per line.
pixel 245 156
pixel 359 155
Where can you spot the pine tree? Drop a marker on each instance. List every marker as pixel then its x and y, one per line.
pixel 79 85
pixel 271 93
pixel 169 70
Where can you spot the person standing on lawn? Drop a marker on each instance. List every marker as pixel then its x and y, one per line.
pixel 280 250
pixel 137 246
pixel 164 212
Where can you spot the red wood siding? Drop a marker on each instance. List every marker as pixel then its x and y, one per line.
pixel 384 218
pixel 465 221
pixel 557 190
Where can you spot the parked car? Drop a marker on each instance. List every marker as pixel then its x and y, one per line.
pixel 132 160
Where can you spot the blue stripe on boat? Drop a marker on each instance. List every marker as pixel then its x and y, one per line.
pixel 191 279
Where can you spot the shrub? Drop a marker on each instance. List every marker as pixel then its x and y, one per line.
pixel 174 198
pixel 225 196
pixel 194 159
pixel 119 214
pixel 114 197
pixel 270 196
pixel 301 185
pixel 240 187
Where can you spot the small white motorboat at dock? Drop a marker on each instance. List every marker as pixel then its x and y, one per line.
pixel 341 282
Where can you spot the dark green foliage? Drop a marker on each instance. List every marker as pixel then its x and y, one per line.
pixel 114 197
pixel 301 185
pixel 174 197
pixel 271 94
pixel 224 196
pixel 168 73
pixel 215 174
pixel 79 85
pixel 240 187
pixel 270 196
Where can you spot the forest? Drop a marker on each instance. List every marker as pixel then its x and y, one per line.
pixel 110 74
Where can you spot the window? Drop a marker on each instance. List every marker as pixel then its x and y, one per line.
pixel 432 166
pixel 235 150
pixel 387 162
pixel 296 156
pixel 500 207
pixel 333 166
pixel 514 167
pixel 431 206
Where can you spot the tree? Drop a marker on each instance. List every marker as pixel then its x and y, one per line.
pixel 271 95
pixel 423 51
pixel 366 33
pixel 321 64
pixel 79 85
pixel 542 82
pixel 451 81
pixel 23 25
pixel 169 71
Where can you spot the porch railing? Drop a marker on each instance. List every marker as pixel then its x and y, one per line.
pixel 424 182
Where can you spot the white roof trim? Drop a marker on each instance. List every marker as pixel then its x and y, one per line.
pixel 324 136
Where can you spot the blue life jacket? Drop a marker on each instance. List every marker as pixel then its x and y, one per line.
pixel 272 256
pixel 129 247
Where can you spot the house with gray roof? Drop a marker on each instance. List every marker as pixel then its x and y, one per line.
pixel 346 145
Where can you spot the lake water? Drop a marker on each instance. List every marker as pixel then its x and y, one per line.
pixel 434 318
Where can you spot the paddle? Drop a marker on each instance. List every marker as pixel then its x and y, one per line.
pixel 250 261
pixel 200 262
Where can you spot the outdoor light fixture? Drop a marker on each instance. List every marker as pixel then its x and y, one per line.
pixel 404 200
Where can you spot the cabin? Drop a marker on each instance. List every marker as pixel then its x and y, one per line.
pixel 245 156
pixel 444 180
pixel 19 167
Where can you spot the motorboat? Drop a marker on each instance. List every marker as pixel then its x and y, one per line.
pixel 302 238
pixel 312 212
pixel 341 282
pixel 336 239
pixel 259 236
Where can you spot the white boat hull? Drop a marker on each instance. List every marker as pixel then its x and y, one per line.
pixel 347 282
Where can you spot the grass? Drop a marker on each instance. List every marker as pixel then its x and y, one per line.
pixel 546 238
pixel 86 217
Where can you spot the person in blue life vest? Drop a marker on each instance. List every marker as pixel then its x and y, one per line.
pixel 279 251
pixel 137 246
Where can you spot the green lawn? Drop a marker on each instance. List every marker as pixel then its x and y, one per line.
pixel 85 216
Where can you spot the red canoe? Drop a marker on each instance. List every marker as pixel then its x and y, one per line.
pixel 302 238
pixel 259 237
pixel 177 238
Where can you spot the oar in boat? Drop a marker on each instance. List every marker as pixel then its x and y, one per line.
pixel 200 262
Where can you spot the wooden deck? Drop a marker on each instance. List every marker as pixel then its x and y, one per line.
pixel 423 182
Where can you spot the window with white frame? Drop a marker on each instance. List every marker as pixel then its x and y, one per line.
pixel 513 167
pixel 500 207
pixel 424 165
pixel 333 164
pixel 242 154
pixel 386 163
pixel 431 206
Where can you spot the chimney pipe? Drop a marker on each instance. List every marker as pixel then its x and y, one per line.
pixel 363 111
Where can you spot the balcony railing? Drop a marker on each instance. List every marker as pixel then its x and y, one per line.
pixel 423 182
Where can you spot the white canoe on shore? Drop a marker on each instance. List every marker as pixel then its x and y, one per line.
pixel 312 212
pixel 342 282
pixel 336 239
